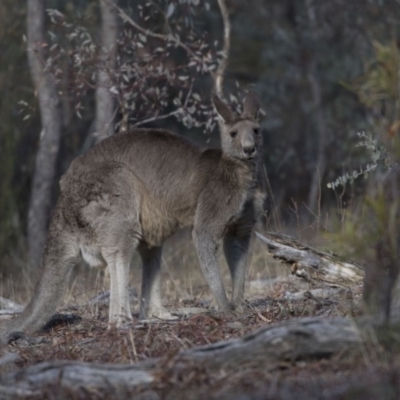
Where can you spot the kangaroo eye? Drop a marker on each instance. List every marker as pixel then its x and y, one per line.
pixel 256 131
pixel 233 133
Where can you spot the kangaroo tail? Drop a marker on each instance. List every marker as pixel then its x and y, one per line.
pixel 58 259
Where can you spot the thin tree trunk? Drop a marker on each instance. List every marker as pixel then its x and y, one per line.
pixel 104 126
pixel 220 72
pixel 320 165
pixel 49 142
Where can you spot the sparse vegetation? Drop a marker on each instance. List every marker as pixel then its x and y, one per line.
pixel 322 77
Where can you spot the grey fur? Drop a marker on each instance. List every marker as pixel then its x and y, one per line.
pixel 132 191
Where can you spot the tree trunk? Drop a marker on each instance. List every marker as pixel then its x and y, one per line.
pixel 103 125
pixel 319 170
pixel 220 72
pixel 49 142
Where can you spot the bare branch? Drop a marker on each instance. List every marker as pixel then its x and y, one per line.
pixel 155 118
pixel 167 38
pixel 172 113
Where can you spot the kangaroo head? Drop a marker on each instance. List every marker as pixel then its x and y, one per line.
pixel 240 135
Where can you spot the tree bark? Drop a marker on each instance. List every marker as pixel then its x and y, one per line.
pixel 220 72
pixel 320 165
pixel 219 75
pixel 103 125
pixel 49 142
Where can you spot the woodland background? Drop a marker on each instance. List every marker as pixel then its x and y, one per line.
pixel 328 77
pixel 324 72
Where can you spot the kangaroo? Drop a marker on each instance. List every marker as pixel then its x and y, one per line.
pixel 134 190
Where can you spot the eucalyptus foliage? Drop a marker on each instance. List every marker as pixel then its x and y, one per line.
pixel 162 60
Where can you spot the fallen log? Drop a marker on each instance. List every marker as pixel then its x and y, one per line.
pixel 268 348
pixel 311 264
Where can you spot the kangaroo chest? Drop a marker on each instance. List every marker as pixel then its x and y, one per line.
pixel 241 198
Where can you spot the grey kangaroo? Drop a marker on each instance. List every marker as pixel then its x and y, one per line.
pixel 134 190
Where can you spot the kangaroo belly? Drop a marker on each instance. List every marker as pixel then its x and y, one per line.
pixel 159 221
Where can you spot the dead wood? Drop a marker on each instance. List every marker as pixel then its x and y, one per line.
pixel 312 264
pixel 267 348
pixel 9 307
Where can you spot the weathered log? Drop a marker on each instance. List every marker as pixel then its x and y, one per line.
pixel 267 348
pixel 312 264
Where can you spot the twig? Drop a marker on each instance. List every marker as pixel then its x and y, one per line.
pixel 166 38
pixel 155 118
pixel 170 114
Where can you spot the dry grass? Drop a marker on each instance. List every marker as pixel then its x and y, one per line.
pixel 183 286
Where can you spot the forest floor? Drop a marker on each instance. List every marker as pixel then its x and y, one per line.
pixel 372 373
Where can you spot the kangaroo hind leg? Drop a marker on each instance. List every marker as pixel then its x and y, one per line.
pixel 118 244
pixel 118 261
pixel 113 216
pixel 150 298
pixel 236 253
pixel 207 247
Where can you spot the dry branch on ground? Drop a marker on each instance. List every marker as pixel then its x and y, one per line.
pixel 312 264
pixel 266 349
pixel 9 307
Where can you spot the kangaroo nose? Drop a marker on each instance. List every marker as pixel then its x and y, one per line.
pixel 249 151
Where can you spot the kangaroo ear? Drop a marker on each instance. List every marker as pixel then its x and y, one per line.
pixel 223 110
pixel 251 106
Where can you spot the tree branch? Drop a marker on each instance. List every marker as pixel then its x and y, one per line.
pixel 167 38
pixel 155 118
pixel 170 114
